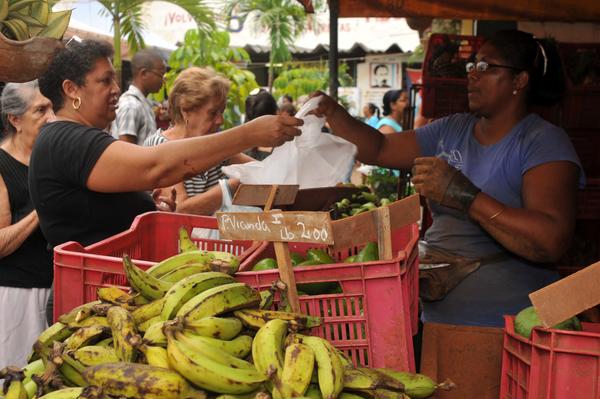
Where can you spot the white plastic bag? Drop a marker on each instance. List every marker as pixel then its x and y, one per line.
pixel 226 206
pixel 312 160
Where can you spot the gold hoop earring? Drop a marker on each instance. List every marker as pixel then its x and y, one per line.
pixel 76 103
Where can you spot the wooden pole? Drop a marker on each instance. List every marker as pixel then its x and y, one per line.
pixel 334 9
pixel 284 262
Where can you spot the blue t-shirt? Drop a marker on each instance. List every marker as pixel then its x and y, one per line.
pixel 499 288
pixel 389 122
pixel 372 121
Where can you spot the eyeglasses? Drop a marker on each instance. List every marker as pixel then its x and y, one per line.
pixel 482 66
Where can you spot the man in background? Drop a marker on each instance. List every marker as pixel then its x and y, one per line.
pixel 135 116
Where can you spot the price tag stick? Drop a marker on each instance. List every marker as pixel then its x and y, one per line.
pixel 284 262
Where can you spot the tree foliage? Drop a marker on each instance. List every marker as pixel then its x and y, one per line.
pixel 212 49
pixel 297 80
pixel 127 22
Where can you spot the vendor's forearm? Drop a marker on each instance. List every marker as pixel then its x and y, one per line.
pixel 13 236
pixel 368 140
pixel 530 234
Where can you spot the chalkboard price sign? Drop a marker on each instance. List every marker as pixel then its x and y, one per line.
pixel 277 226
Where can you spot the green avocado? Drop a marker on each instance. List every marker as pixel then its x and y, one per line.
pixel 528 318
pixel 265 264
pixel 296 258
pixel 369 253
pixel 319 255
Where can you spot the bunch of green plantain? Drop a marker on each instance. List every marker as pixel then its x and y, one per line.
pixel 356 204
pixel 197 336
pixel 23 19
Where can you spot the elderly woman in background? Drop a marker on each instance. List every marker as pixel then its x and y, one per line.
pixel 196 103
pixel 77 191
pixel 25 262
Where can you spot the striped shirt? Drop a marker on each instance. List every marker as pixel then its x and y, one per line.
pixel 199 183
pixel 135 116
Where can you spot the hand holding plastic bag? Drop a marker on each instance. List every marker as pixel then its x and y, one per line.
pixel 311 160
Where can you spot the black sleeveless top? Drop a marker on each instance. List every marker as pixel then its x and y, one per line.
pixel 30 266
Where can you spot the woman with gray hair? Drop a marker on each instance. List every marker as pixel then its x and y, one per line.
pixel 25 262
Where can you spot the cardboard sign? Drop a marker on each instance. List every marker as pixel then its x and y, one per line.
pixel 258 194
pixel 566 298
pixel 310 227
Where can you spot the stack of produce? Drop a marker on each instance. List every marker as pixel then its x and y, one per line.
pixel 318 256
pixel 23 19
pixel 357 203
pixel 187 331
pixel 527 319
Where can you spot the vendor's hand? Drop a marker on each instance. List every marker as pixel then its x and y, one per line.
pixel 233 185
pixel 436 180
pixel 327 106
pixel 274 130
pixel 163 202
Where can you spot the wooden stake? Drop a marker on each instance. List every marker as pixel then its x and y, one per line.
pixel 384 232
pixel 284 262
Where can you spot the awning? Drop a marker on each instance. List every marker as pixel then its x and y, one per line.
pixel 515 10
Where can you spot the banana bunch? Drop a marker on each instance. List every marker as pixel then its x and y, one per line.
pixel 24 19
pixel 202 334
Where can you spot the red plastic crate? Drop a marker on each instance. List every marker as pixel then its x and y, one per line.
pixel 373 320
pixel 554 364
pixel 444 76
pixel 153 236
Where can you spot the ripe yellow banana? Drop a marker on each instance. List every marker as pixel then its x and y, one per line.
pixel 56 332
pixel 385 381
pixel 36 367
pixel 144 326
pixel 313 392
pixel 216 327
pixel 298 366
pixel 16 390
pixel 113 295
pixel 30 388
pixel 218 300
pixel 204 349
pixel 89 321
pixel 187 288
pixel 184 258
pixel 154 335
pixel 206 373
pixel 58 22
pixel 125 336
pixel 329 366
pixel 79 313
pixel 155 355
pixel 86 336
pixel 148 311
pixel 417 386
pixel 382 394
pixel 256 318
pixel 143 282
pixel 65 393
pixel 185 271
pixel 239 347
pixel 185 242
pixel 267 349
pixel 93 355
pixel 134 380
pixel 356 379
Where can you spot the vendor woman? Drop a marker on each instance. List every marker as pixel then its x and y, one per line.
pixel 501 181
